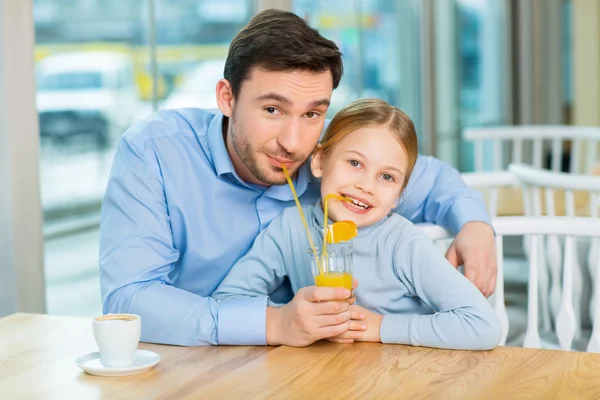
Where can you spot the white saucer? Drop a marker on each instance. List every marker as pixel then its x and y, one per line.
pixel 144 360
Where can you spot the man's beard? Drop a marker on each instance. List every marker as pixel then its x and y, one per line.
pixel 268 174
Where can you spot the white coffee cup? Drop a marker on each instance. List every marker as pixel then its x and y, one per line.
pixel 117 336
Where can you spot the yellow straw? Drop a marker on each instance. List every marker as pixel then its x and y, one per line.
pixel 310 240
pixel 326 220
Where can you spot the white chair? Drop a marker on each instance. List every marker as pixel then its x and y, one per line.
pixel 533 180
pixel 496 147
pixel 490 183
pixel 538 227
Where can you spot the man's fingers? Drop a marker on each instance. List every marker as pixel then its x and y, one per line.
pixel 482 270
pixel 471 273
pixel 474 247
pixel 452 256
pixel 330 307
pixel 494 275
pixel 491 287
pixel 334 319
pixel 314 293
pixel 332 330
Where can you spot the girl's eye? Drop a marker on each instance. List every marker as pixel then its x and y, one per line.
pixel 388 177
pixel 354 163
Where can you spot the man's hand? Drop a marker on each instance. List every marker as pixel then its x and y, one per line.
pixel 475 248
pixel 315 313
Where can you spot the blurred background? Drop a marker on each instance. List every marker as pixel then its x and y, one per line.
pixel 450 64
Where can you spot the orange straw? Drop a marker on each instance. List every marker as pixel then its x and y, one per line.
pixel 310 240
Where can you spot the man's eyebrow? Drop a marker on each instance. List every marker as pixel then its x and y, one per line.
pixel 318 103
pixel 284 100
pixel 276 97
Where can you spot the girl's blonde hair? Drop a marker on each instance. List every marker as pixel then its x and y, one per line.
pixel 374 113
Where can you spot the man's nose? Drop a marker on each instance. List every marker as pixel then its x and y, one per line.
pixel 290 139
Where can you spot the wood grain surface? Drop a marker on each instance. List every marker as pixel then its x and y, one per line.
pixel 38 352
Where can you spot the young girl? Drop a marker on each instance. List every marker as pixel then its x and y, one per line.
pixel 409 291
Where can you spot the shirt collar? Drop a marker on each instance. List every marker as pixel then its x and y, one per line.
pixel 218 151
pixel 284 193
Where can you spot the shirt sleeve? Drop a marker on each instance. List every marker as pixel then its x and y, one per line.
pixel 437 194
pixel 462 319
pixel 137 253
pixel 251 278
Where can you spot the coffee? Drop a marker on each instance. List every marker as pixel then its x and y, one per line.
pixel 116 317
pixel 117 336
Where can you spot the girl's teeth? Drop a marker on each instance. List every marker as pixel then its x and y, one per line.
pixel 357 203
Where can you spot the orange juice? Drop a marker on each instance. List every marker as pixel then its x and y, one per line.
pixel 335 279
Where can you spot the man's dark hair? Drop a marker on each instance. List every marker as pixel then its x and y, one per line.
pixel 276 40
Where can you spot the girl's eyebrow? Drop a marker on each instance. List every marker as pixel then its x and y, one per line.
pixel 356 152
pixel 389 167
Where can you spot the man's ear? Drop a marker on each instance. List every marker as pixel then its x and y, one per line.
pixel 316 164
pixel 225 98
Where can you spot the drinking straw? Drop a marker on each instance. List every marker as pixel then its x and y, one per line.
pixel 310 240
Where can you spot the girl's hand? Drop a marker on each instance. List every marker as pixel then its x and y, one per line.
pixel 373 322
pixel 357 324
pixel 356 331
pixel 364 327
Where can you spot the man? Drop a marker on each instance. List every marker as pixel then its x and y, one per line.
pixel 190 190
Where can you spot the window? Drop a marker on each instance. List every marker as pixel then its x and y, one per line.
pixel 379 40
pixel 481 57
pixel 94 79
pixel 67 81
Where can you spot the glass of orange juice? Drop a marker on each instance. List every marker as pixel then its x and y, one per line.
pixel 334 268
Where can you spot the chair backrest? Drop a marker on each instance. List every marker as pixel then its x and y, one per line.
pixel 538 227
pixel 496 147
pixel 570 195
pixel 532 180
pixel 490 183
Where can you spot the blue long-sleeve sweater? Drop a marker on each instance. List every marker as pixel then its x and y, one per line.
pixel 401 274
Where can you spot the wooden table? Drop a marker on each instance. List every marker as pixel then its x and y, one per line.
pixel 38 352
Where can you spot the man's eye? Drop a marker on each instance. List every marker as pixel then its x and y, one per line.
pixel 271 110
pixel 388 177
pixel 312 115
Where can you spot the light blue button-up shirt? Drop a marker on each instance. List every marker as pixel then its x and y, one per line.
pixel 176 217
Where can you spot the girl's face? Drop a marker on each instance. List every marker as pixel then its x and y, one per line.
pixel 367 166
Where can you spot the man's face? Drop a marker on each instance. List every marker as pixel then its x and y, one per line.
pixel 277 118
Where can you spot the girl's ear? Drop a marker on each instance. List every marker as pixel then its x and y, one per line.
pixel 316 164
